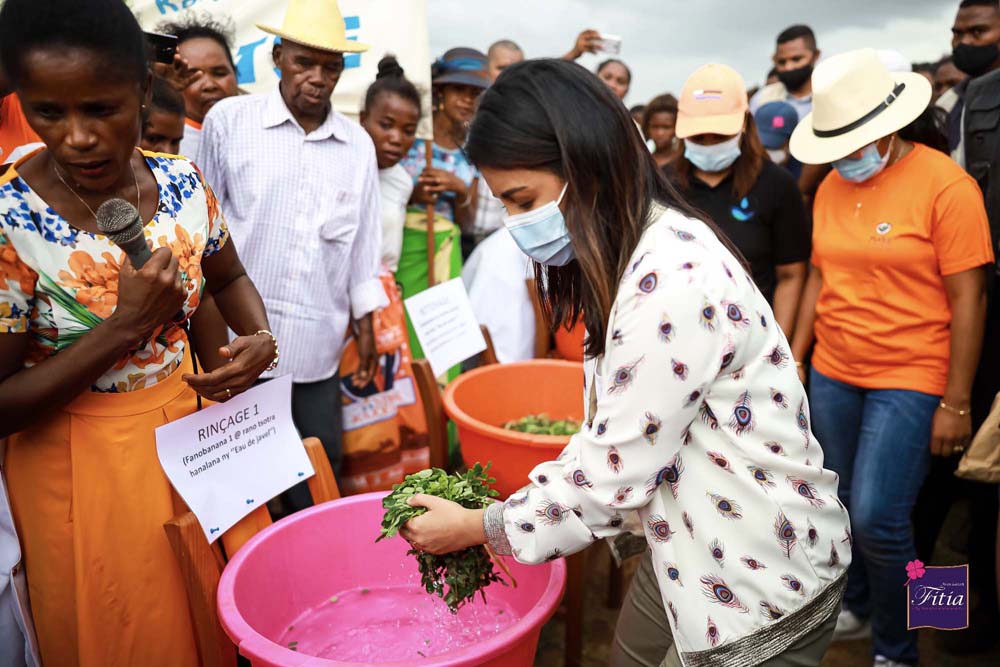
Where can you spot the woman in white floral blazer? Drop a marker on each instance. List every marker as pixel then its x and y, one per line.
pixel 696 418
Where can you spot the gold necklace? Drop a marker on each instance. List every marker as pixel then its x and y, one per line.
pixel 138 193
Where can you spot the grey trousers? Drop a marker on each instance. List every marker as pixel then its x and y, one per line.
pixel 316 413
pixel 643 637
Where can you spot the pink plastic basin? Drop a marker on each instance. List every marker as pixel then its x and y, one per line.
pixel 300 561
pixel 481 401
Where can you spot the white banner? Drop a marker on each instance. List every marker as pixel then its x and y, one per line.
pixel 231 458
pixel 398 27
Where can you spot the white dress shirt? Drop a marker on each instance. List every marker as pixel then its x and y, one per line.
pixel 304 212
pixel 496 277
pixel 191 141
pixel 489 211
pixel 396 187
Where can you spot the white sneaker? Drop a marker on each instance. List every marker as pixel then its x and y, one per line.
pixel 882 661
pixel 850 627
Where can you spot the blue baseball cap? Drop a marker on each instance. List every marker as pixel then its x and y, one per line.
pixel 775 123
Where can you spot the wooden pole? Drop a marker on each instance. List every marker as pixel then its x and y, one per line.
pixel 429 145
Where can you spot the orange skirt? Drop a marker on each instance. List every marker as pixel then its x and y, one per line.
pixel 90 500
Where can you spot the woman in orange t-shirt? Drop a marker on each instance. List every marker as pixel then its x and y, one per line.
pixel 899 241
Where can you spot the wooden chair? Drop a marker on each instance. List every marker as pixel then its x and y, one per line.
pixel 487 357
pixel 437 421
pixel 201 564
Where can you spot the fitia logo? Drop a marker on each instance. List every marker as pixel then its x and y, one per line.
pixel 937 597
pixel 883 228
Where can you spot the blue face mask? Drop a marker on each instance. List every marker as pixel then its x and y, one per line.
pixel 868 165
pixel 541 233
pixel 713 158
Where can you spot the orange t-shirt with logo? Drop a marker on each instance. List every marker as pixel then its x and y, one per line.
pixel 14 128
pixel 883 247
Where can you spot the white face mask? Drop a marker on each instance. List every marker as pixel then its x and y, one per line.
pixel 713 158
pixel 777 155
pixel 865 167
pixel 542 234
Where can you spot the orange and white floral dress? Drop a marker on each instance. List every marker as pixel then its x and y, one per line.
pixel 58 282
pixel 87 491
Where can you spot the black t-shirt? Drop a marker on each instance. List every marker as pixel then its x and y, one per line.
pixel 769 225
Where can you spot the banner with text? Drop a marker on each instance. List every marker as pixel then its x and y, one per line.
pixel 389 26
pixel 231 458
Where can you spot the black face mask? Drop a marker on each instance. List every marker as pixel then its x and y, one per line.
pixel 794 79
pixel 975 60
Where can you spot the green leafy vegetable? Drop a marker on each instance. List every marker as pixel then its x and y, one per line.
pixel 458 576
pixel 542 425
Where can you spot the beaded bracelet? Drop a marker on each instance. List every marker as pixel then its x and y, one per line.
pixel 949 408
pixel 277 354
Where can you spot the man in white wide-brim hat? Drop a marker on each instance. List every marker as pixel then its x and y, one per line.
pixel 895 301
pixel 298 183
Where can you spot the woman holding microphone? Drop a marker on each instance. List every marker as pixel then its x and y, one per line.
pixel 696 417
pixel 92 358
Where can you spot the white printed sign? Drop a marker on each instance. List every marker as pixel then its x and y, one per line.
pixel 230 458
pixel 445 325
pixel 398 27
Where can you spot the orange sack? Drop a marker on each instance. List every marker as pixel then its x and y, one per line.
pixel 385 432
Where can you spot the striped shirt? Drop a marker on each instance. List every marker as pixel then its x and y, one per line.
pixel 304 212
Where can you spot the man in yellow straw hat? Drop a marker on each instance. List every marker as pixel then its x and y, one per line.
pixel 298 183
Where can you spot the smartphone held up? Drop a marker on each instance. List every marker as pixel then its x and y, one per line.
pixel 161 47
pixel 611 44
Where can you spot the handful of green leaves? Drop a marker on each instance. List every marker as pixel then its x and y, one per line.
pixel 458 576
pixel 542 425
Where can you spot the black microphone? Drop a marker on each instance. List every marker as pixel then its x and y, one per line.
pixel 119 221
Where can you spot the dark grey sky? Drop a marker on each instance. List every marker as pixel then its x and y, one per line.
pixel 665 40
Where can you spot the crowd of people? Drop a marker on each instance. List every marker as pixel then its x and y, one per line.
pixel 810 266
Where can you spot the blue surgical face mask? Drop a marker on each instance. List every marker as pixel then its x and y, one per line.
pixel 868 165
pixel 715 158
pixel 541 233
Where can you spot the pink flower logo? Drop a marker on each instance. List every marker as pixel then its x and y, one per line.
pixel 915 569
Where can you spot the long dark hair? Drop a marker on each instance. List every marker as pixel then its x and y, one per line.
pixel 555 115
pixel 746 169
pixel 928 129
